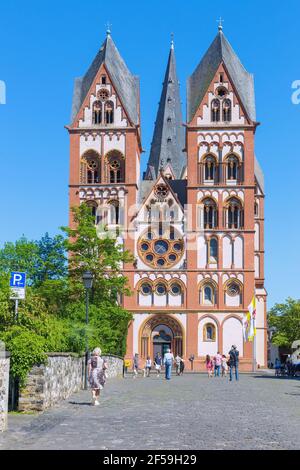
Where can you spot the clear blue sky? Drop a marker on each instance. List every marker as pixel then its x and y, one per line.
pixel 44 45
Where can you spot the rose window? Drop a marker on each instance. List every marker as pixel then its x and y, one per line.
pixel 103 95
pixel 233 289
pixel 159 251
pixel 161 191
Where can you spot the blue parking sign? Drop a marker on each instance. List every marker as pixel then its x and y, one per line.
pixel 17 280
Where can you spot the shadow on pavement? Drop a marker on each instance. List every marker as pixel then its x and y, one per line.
pixel 82 403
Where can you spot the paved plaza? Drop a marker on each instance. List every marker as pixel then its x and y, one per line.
pixel 189 412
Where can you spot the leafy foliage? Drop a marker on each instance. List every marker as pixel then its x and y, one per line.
pixel 52 318
pixel 286 319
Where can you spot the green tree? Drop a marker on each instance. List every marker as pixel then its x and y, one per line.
pixel 42 260
pixel 286 319
pixel 20 256
pixel 51 259
pixel 98 253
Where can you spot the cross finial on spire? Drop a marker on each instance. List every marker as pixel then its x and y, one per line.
pixel 108 26
pixel 172 40
pixel 220 21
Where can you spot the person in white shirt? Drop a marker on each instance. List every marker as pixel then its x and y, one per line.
pixel 148 366
pixel 168 362
pixel 177 362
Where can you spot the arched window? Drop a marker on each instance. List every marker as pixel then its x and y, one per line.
pixel 234 289
pixel 146 288
pixel 115 167
pixel 109 112
pixel 210 168
pixel 226 106
pixel 92 205
pixel 215 110
pixel 210 213
pixel 213 250
pixel 97 112
pixel 114 212
pixel 209 332
pixel 176 289
pixel 235 214
pixel 207 293
pixel 90 168
pixel 233 165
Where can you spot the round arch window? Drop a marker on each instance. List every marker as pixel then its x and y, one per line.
pixel 233 289
pixel 146 289
pixel 176 288
pixel 161 289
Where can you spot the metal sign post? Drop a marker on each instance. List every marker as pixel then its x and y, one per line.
pixel 17 286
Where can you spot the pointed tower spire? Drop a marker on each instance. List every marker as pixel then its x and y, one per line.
pixel 220 51
pixel 168 137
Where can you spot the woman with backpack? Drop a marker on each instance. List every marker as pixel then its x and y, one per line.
pixel 96 372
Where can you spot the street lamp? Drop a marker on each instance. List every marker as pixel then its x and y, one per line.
pixel 87 278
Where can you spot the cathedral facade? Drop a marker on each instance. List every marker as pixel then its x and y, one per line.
pixel 195 219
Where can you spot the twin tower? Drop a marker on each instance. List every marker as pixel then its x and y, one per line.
pixel 195 219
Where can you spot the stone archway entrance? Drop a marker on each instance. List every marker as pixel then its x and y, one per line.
pixel 160 333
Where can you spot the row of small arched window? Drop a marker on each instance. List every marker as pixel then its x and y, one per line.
pixel 221 110
pixel 233 214
pixel 207 290
pixel 211 171
pixel 103 113
pixel 90 169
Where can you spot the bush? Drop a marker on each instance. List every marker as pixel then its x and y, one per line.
pixel 26 349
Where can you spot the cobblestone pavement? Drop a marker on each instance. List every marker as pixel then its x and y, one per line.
pixel 189 412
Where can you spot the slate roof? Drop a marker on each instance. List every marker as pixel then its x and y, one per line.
pixel 197 84
pixel 169 137
pixel 178 187
pixel 126 84
pixel 259 175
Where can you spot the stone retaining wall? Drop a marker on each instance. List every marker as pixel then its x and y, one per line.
pixel 62 376
pixel 4 385
pixel 49 383
pixel 115 366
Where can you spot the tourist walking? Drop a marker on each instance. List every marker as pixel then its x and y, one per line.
pixel 209 365
pixel 148 366
pixel 158 363
pixel 218 363
pixel 224 366
pixel 177 362
pixel 277 367
pixel 96 373
pixel 233 362
pixel 135 365
pixel 168 362
pixel 181 366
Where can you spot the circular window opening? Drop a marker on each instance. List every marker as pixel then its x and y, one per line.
pixel 233 289
pixel 160 289
pixel 145 246
pixel 177 246
pixel 149 258
pixel 176 289
pixel 146 289
pixel 172 257
pixel 161 262
pixel 161 247
pixel 221 92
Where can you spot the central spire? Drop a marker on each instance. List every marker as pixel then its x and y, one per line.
pixel 168 137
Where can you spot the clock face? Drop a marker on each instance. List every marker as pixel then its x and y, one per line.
pixel 161 247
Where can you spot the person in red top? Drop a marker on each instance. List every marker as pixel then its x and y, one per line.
pixel 209 365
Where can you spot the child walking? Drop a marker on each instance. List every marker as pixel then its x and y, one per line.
pixel 209 365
